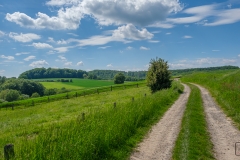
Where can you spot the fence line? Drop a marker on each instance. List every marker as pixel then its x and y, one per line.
pixel 51 98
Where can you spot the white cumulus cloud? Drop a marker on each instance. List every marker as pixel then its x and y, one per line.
pixel 187 37
pixel 80 63
pixel 68 64
pixel 39 64
pixel 28 37
pixel 2 33
pixel 109 65
pixel 144 48
pixel 67 18
pixel 130 32
pixel 21 53
pixel 41 45
pixel 10 58
pixel 104 12
pixel 137 12
pixel 124 34
pixel 29 58
pixel 2 72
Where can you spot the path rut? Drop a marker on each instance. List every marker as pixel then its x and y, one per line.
pixel 223 133
pixel 159 143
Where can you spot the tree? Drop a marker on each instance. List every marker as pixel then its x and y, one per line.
pixel 158 76
pixel 9 95
pixel 119 78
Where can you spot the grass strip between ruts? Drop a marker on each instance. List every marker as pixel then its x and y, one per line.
pixel 193 141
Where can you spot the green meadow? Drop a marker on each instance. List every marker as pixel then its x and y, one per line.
pixel 75 84
pixel 87 127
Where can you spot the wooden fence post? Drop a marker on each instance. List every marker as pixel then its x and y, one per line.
pixel 67 96
pixel 83 116
pixel 9 151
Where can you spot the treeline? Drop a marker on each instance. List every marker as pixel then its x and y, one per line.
pixel 109 74
pixel 39 73
pixel 12 89
pixel 192 70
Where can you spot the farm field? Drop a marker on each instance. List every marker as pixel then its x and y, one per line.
pixel 76 84
pixel 61 124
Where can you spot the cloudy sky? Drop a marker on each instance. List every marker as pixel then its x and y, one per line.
pixel 117 34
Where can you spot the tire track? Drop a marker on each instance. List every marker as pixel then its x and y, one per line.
pixel 160 141
pixel 223 133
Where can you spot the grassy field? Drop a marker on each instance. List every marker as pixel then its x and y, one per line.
pixel 193 141
pixel 76 83
pixel 224 87
pixel 57 130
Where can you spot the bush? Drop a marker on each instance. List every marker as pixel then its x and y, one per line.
pixel 119 78
pixel 35 95
pixel 158 76
pixel 24 96
pixel 9 95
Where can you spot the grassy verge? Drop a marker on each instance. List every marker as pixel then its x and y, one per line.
pixel 103 133
pixel 193 141
pixel 224 86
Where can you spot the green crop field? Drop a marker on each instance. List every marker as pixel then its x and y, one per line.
pixel 58 130
pixel 225 88
pixel 75 84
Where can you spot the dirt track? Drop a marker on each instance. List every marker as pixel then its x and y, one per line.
pixel 223 134
pixel 160 141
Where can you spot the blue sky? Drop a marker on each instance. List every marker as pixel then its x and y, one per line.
pixel 117 34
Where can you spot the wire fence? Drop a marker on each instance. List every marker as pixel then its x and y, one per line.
pixel 68 95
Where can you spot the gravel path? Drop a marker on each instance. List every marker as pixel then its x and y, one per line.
pixel 160 141
pixel 223 134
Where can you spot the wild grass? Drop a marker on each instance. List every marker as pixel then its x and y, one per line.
pixel 224 87
pixel 193 141
pixel 105 132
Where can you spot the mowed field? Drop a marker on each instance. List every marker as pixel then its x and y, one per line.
pixel 75 84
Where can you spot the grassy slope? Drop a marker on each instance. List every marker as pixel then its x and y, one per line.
pixel 106 133
pixel 224 87
pixel 193 140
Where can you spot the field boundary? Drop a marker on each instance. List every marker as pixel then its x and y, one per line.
pixel 68 95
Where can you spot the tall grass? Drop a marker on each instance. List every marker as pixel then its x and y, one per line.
pixel 224 87
pixel 193 141
pixel 104 132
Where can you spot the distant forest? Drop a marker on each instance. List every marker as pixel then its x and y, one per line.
pixel 39 73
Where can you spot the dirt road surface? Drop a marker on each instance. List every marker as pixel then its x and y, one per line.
pixel 223 133
pixel 159 143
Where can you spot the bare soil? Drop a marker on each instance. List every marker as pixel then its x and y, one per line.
pixel 159 143
pixel 223 133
